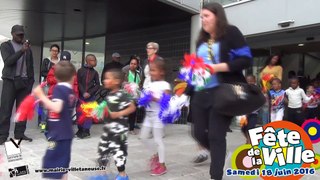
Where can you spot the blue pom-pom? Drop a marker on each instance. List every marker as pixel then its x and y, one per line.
pixel 171 109
pixel 145 99
pixel 186 76
pixel 164 102
pixel 164 108
pixel 171 117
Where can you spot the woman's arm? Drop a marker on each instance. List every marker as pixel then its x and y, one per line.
pixel 239 55
pixel 279 73
pixel 221 67
pixel 262 73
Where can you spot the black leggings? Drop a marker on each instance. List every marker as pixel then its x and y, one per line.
pixel 210 129
pixel 132 120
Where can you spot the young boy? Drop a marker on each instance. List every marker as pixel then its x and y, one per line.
pixel 252 118
pixel 295 97
pixel 277 100
pixel 52 82
pixel 89 84
pixel 113 141
pixel 60 132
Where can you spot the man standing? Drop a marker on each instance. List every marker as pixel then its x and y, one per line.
pixel 114 64
pixel 18 79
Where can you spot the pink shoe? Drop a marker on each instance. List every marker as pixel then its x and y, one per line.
pixel 154 162
pixel 160 170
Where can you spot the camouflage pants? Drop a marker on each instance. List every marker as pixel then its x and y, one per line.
pixel 113 143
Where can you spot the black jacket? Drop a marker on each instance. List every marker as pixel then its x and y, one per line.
pixel 45 67
pixel 88 80
pixel 10 58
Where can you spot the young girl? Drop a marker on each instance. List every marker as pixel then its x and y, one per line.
pixel 312 106
pixel 152 123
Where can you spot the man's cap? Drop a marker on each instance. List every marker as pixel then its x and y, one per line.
pixel 17 29
pixel 65 56
pixel 117 55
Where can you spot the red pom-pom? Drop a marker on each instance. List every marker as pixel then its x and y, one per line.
pixel 26 109
pixel 267 77
pixel 106 112
pixel 81 120
pixel 194 62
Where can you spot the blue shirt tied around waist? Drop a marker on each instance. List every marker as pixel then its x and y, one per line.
pixel 204 54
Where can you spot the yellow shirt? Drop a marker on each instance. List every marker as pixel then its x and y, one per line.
pixel 275 70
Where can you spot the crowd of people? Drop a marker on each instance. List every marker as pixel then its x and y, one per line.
pixel 67 89
pixel 294 103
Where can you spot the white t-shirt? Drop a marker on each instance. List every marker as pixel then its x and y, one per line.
pixel 296 96
pixel 147 79
pixel 157 88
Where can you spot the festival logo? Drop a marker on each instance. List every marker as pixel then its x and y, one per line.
pixel 18 171
pixel 278 150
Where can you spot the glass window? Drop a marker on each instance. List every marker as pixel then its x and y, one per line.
pixel 75 49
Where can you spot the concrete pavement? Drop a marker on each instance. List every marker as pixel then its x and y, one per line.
pixel 180 150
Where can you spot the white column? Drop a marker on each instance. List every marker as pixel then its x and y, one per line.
pixel 195 28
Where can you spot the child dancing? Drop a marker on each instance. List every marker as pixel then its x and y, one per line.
pixel 152 123
pixel 113 141
pixel 60 108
